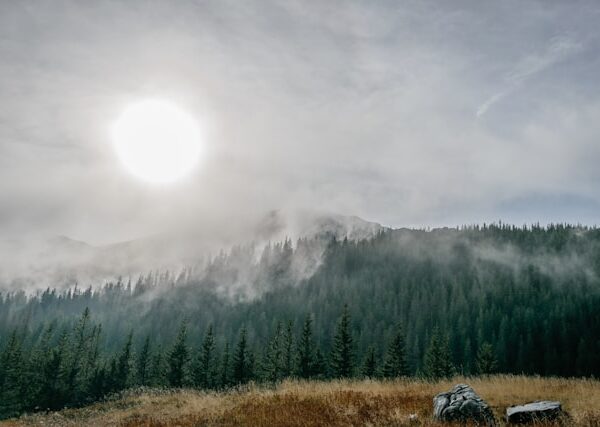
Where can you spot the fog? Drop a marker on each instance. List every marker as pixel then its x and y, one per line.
pixel 419 113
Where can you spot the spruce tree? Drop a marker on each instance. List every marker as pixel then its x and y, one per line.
pixel 11 372
pixel 342 363
pixel 273 357
pixel 34 376
pixel 369 366
pixel 320 369
pixel 288 351
pixel 52 390
pixel 437 362
pixel 486 362
pixel 78 364
pixel 306 351
pixel 395 364
pixel 143 363
pixel 467 357
pixel 98 386
pixel 242 360
pixel 158 369
pixel 124 362
pixel 204 370
pixel 178 359
pixel 224 369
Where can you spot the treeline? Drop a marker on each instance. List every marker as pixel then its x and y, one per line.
pixel 66 368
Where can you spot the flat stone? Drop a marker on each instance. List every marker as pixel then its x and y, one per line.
pixel 462 404
pixel 535 411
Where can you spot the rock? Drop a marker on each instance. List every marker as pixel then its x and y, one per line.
pixel 462 404
pixel 533 412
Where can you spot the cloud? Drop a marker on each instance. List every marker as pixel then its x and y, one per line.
pixel 360 108
pixel 559 49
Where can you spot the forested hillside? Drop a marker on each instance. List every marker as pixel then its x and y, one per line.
pixel 406 302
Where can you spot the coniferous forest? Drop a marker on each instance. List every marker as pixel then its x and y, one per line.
pixel 473 301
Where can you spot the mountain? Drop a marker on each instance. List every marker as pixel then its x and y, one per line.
pixel 61 261
pixel 531 293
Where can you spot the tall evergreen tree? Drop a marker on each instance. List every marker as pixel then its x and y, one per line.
pixel 437 362
pixel 158 369
pixel 224 368
pixel 78 364
pixel 124 362
pixel 321 368
pixel 306 350
pixel 242 368
pixel 369 366
pixel 342 363
pixel 486 362
pixel 143 363
pixel 11 372
pixel 52 389
pixel 179 358
pixel 273 356
pixel 204 372
pixel 395 364
pixel 288 351
pixel 467 358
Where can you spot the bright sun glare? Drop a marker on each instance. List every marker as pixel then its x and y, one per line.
pixel 157 141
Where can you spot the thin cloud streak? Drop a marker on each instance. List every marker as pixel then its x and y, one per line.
pixel 559 49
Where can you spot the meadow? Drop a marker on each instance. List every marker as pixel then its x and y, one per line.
pixel 314 403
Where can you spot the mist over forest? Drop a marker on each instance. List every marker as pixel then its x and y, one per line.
pixel 531 292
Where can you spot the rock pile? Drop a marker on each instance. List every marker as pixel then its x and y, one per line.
pixel 462 404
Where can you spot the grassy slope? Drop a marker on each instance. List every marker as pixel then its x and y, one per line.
pixel 338 403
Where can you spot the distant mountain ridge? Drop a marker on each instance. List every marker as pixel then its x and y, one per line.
pixel 63 261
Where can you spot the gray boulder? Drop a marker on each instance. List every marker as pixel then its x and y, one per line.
pixel 533 412
pixel 462 404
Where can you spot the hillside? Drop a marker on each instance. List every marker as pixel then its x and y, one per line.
pixel 35 263
pixel 423 304
pixel 337 403
pixel 521 290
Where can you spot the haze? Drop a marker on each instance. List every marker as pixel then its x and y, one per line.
pixel 415 113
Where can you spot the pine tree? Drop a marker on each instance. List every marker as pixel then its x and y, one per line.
pixel 242 368
pixel 33 379
pixel 486 362
pixel 467 358
pixel 204 369
pixel 143 363
pixel 178 359
pixel 11 370
pixel 52 390
pixel 437 362
pixel 78 364
pixel 288 351
pixel 273 357
pixel 395 364
pixel 320 368
pixel 158 369
pixel 342 353
pixel 123 372
pixel 98 383
pixel 224 369
pixel 306 351
pixel 369 366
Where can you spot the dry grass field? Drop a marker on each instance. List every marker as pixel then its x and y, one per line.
pixel 337 403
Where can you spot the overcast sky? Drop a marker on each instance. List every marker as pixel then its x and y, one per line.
pixel 408 113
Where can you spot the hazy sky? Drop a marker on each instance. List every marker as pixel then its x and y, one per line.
pixel 408 113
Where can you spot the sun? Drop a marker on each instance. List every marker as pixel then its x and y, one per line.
pixel 157 141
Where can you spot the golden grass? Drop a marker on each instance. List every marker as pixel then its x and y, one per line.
pixel 335 403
